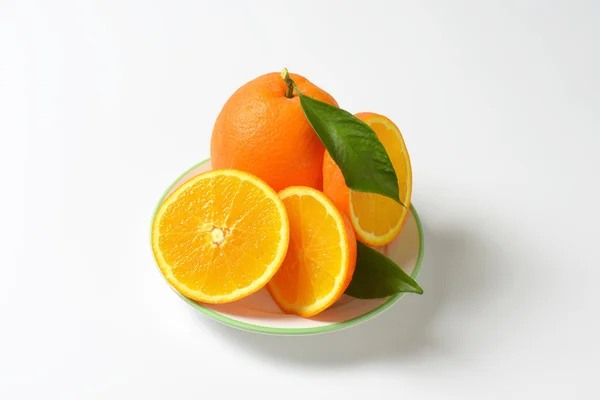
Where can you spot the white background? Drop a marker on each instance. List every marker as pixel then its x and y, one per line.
pixel 103 104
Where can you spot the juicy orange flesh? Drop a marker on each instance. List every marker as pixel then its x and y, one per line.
pixel 314 253
pixel 220 235
pixel 379 214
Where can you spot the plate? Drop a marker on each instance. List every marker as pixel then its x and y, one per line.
pixel 259 313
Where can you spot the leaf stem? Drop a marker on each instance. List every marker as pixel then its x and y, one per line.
pixel 289 91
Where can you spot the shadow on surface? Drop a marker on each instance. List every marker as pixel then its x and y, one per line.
pixel 453 271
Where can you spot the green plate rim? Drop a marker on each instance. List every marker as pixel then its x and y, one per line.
pixel 292 331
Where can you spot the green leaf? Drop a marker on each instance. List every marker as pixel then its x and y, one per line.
pixel 354 147
pixel 376 276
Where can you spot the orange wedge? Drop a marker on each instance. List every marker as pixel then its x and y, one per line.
pixel 220 236
pixel 321 256
pixel 376 219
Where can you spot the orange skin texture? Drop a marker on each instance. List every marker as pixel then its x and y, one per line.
pixel 262 132
pixel 334 184
pixel 352 248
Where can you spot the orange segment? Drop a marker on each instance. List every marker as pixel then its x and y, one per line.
pixel 321 255
pixel 220 236
pixel 377 220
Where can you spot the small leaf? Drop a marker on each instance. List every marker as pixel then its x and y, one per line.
pixel 376 276
pixel 354 147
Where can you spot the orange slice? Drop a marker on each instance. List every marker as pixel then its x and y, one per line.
pixel 220 236
pixel 321 256
pixel 376 219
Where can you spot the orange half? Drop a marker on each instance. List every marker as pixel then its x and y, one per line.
pixel 376 219
pixel 221 236
pixel 321 255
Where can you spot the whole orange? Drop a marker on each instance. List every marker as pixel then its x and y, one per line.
pixel 263 132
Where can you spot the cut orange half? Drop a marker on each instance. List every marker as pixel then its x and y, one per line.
pixel 220 236
pixel 321 256
pixel 376 219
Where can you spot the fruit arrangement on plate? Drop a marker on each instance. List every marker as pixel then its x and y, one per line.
pixel 301 198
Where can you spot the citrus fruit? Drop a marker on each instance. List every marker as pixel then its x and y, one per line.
pixel 220 236
pixel 321 256
pixel 376 219
pixel 263 132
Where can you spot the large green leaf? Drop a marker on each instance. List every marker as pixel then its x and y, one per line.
pixel 354 147
pixel 376 276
